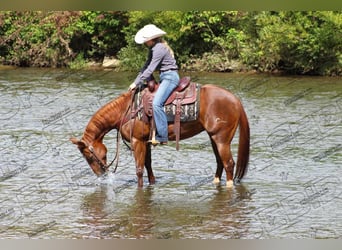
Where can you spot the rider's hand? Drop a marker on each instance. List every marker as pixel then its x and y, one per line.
pixel 132 86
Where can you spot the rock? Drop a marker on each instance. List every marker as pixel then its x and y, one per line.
pixel 6 67
pixel 93 64
pixel 110 62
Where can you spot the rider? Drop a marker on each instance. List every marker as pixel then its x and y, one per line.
pixel 160 57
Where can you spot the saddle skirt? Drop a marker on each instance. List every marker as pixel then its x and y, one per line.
pixel 183 101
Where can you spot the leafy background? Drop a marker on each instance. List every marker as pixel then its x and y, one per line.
pixel 294 42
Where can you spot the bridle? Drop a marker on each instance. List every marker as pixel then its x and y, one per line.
pixel 103 166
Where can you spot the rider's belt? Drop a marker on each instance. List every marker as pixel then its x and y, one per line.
pixel 162 71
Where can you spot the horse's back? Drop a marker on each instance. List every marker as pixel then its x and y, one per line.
pixel 213 94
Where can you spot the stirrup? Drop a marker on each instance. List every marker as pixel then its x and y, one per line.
pixel 155 142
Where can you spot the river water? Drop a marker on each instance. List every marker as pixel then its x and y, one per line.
pixel 47 190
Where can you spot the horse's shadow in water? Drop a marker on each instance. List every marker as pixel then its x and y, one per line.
pixel 143 215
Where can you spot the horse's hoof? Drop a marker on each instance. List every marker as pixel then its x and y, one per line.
pixel 216 181
pixel 230 184
pixel 152 181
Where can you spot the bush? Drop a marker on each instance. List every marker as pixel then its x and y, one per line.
pixel 56 39
pixel 296 42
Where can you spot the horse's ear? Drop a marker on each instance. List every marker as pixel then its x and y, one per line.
pixel 74 140
pixel 81 145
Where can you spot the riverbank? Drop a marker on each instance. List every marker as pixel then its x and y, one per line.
pixel 194 64
pixel 211 65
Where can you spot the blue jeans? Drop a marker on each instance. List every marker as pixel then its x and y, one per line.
pixel 168 82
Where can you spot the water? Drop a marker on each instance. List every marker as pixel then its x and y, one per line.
pixel 47 190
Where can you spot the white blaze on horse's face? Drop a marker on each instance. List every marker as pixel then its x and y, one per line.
pixel 94 154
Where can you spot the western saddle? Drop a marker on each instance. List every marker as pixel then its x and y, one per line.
pixel 185 94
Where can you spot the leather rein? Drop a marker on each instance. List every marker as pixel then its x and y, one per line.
pixel 103 166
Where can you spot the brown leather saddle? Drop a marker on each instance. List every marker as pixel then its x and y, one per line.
pixel 181 106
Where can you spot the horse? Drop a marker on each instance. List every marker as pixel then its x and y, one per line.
pixel 220 114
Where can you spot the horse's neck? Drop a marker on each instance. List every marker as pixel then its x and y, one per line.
pixel 108 117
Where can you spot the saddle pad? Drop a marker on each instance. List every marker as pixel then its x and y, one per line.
pixel 189 112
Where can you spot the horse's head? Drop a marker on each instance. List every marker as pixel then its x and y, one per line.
pixel 95 154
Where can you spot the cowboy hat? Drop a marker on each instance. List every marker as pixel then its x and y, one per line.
pixel 148 32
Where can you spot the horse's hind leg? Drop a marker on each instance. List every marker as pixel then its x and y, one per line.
pixel 219 167
pixel 225 154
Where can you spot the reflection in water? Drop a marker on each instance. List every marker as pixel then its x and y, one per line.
pixel 145 216
pixel 113 218
pixel 230 209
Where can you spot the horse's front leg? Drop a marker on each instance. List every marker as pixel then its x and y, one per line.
pixel 139 151
pixel 148 164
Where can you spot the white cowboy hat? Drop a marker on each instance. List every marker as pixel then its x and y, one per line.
pixel 148 32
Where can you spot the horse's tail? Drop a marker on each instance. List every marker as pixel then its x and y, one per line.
pixel 243 150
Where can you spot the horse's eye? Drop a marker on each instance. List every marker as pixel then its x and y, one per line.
pixel 90 159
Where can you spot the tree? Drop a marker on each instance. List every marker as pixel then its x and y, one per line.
pixel 296 42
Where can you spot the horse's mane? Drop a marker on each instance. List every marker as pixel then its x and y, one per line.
pixel 107 117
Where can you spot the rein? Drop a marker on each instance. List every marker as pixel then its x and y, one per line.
pixel 98 161
pixel 103 166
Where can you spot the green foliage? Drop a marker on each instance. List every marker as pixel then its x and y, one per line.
pixel 297 42
pixel 55 39
pixel 78 63
pixel 97 33
pixel 133 55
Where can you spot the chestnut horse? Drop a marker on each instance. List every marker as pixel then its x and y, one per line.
pixel 220 114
